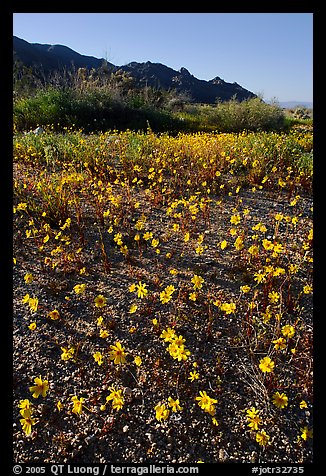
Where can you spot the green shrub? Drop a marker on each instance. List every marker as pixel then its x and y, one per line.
pixel 252 115
pixel 92 110
pixel 49 106
pixel 95 107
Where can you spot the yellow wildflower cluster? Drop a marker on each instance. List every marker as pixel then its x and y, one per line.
pixel 176 221
pixel 116 398
pixel 206 402
pixel 176 347
pixel 254 421
pixel 166 294
pixel 27 421
pixel 31 301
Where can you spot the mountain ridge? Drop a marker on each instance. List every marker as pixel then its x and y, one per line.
pixel 296 104
pixel 48 58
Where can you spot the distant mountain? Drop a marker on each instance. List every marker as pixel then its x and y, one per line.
pixel 51 58
pixel 295 104
pixel 45 59
pixel 158 75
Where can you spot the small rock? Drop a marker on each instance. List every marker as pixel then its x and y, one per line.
pixel 38 131
pixel 89 439
pixel 222 454
pixel 149 436
pixel 127 391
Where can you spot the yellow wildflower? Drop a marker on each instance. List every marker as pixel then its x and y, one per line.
pixel 174 404
pixel 161 412
pixel 193 376
pixel 67 353
pixel 228 307
pixel 104 333
pixel 262 438
pixel 79 288
pixel 54 315
pixel 100 301
pixel 206 403
pixel 306 433
pixel 197 281
pixel 117 353
pixel 288 331
pixel 133 309
pixel 280 400
pixel 280 343
pixel 168 334
pixel 77 404
pixel 141 289
pixel 98 357
pixel 266 365
pixel 27 421
pixel 253 418
pixel 40 387
pixel 28 278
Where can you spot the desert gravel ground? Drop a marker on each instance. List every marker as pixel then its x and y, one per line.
pixel 227 367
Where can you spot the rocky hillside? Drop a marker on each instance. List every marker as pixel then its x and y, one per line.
pixel 45 59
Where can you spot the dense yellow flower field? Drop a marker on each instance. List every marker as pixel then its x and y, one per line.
pixel 163 297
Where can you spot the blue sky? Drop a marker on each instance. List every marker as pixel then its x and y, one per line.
pixel 268 53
